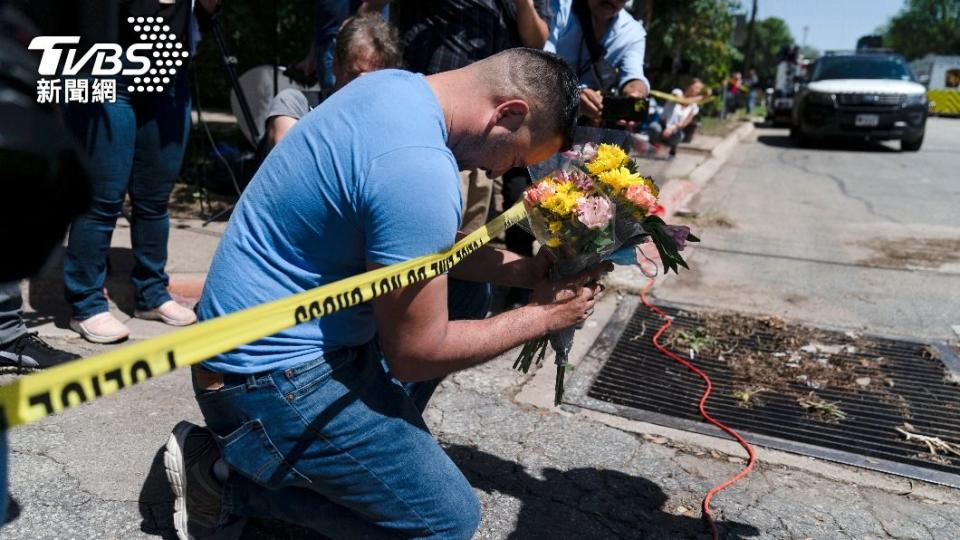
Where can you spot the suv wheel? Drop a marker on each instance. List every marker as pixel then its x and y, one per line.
pixel 798 136
pixel 911 145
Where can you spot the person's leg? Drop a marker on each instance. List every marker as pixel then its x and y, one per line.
pixel 477 192
pixel 163 125
pixel 107 133
pixel 337 446
pixel 11 312
pixel 673 140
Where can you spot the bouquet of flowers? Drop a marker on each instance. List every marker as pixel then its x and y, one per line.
pixel 595 207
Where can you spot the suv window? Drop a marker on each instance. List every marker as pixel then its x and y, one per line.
pixel 861 67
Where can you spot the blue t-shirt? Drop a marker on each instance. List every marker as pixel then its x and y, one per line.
pixel 624 43
pixel 364 177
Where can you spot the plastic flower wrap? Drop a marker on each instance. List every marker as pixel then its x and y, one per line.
pixel 635 196
pixel 595 207
pixel 575 221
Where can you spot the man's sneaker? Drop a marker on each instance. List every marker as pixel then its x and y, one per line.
pixel 29 351
pixel 189 458
pixel 170 313
pixel 101 328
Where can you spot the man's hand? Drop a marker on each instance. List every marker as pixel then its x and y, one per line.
pixel 570 301
pixel 591 105
pixel 635 88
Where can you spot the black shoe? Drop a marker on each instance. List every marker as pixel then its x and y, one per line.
pixel 188 459
pixel 30 352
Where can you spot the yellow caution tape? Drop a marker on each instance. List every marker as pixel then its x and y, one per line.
pixel 681 100
pixel 944 101
pixel 48 392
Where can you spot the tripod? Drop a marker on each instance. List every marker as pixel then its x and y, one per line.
pixel 229 63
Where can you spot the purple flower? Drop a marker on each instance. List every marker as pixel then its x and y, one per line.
pixel 582 153
pixel 580 179
pixel 588 152
pixel 679 234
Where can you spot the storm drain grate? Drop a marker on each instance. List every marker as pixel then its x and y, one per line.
pixel 910 388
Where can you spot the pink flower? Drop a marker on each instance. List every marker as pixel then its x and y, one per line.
pixel 641 196
pixel 580 179
pixel 679 234
pixel 594 212
pixel 538 192
pixel 589 151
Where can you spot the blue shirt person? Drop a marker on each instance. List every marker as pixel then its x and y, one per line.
pixel 622 38
pixel 321 425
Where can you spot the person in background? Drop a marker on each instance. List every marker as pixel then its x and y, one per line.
pixel 18 347
pixel 442 35
pixel 605 45
pixel 677 116
pixel 365 43
pixel 753 84
pixel 734 92
pixel 135 146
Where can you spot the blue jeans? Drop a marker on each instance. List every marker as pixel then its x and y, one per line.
pixel 134 146
pixel 338 445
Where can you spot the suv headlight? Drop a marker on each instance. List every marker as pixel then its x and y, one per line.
pixel 915 99
pixel 821 98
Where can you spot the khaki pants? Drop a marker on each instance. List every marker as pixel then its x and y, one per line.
pixel 476 193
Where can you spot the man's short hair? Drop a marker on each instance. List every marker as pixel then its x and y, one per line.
pixel 542 79
pixel 370 30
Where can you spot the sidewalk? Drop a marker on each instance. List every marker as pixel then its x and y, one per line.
pixel 539 471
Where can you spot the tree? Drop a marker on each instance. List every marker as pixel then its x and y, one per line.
pixel 923 27
pixel 771 35
pixel 692 38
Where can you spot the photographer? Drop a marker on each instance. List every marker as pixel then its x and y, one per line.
pixel 604 45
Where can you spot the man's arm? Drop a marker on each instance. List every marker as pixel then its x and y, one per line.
pixel 502 267
pixel 420 343
pixel 533 29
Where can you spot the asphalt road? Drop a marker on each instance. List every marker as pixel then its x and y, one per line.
pixel 859 236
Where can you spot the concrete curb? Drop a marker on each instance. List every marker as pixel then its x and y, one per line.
pixel 703 172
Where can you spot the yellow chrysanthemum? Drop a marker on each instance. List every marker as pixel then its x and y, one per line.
pixel 554 226
pixel 609 156
pixel 619 179
pixel 563 201
pixel 553 242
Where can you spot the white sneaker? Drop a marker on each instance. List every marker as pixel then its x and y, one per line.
pixel 170 313
pixel 101 328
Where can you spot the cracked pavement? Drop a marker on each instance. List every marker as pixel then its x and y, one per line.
pixel 95 472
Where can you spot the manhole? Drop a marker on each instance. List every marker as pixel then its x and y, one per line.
pixel 841 398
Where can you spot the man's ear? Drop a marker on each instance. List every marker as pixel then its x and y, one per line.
pixel 511 114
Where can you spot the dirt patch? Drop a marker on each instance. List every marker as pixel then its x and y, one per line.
pixel 913 252
pixel 188 201
pixel 771 357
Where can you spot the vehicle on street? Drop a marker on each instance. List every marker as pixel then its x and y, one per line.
pixel 865 94
pixel 941 75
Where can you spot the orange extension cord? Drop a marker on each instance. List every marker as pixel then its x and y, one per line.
pixel 703 411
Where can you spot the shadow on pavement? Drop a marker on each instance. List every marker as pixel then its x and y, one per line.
pixel 156 501
pixel 46 290
pixel 846 145
pixel 585 502
pixel 13 510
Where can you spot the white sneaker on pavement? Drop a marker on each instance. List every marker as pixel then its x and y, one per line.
pixel 101 328
pixel 170 313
